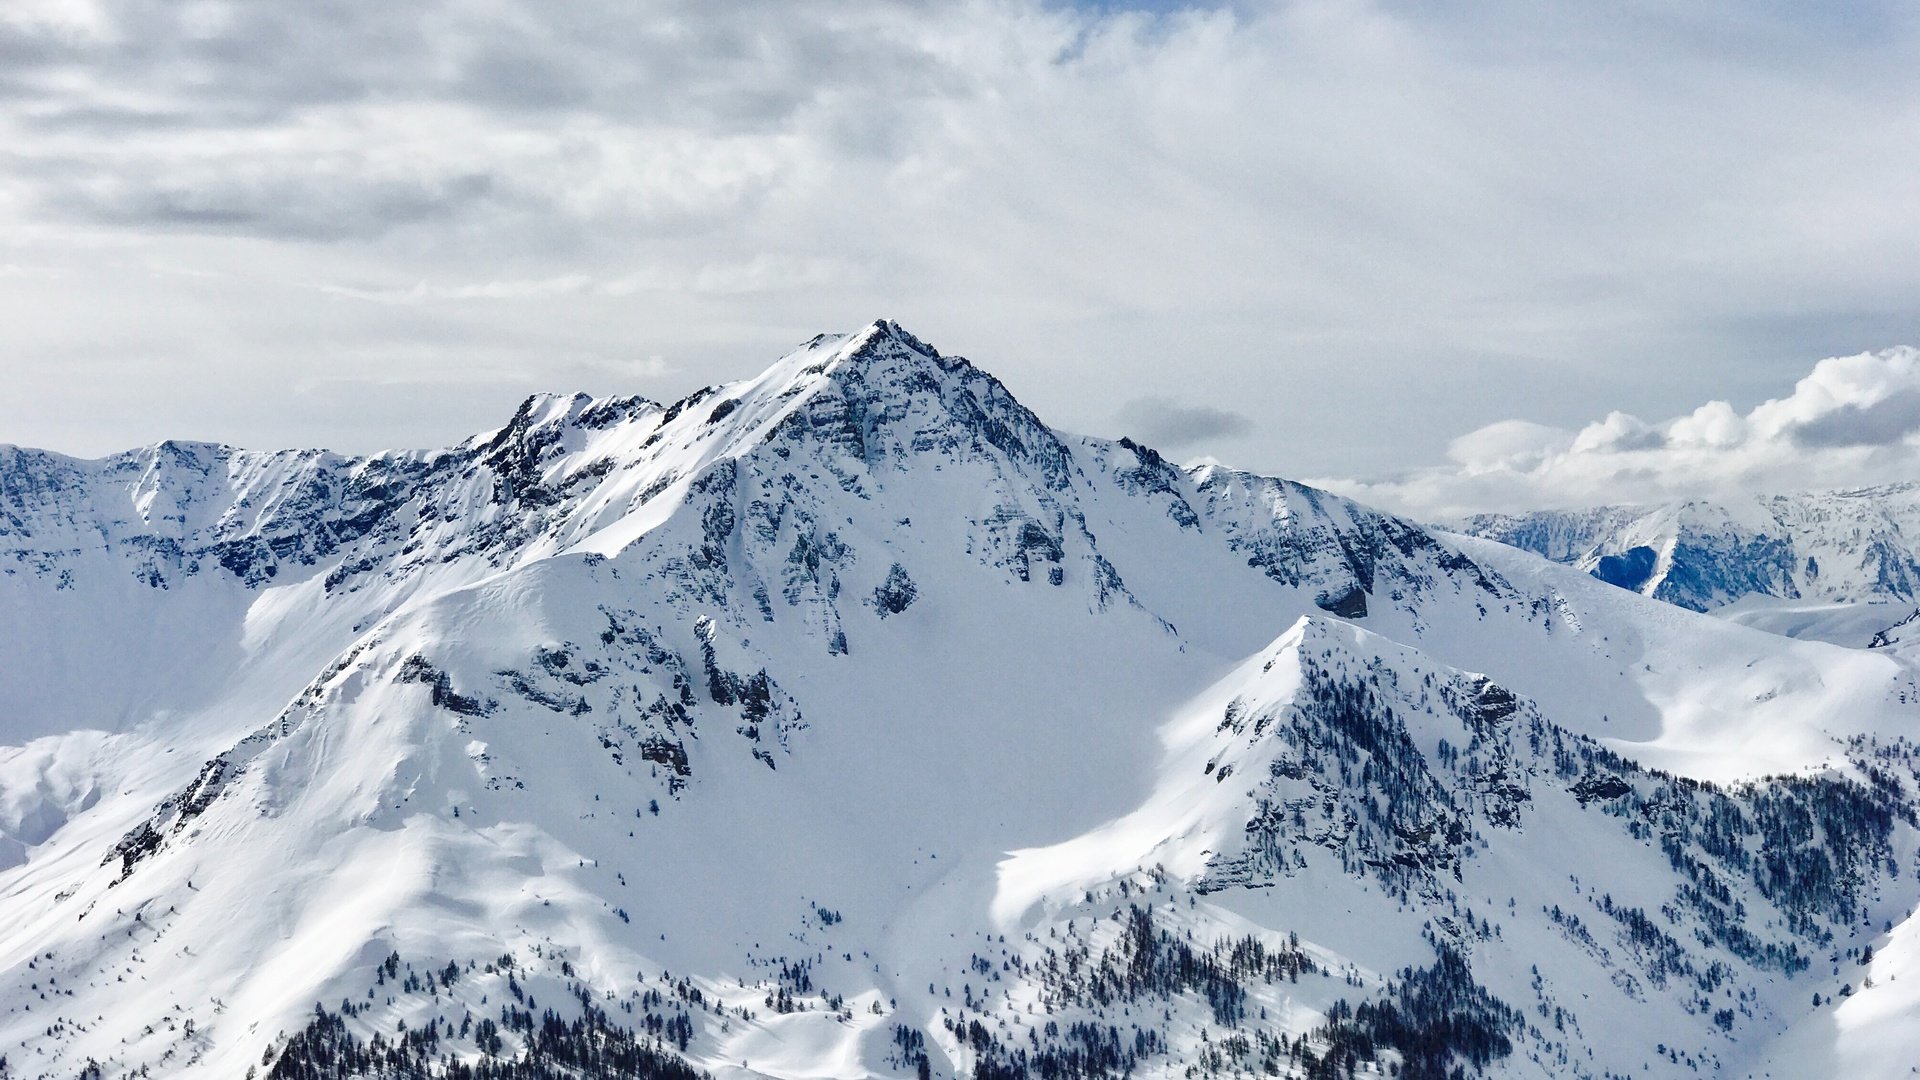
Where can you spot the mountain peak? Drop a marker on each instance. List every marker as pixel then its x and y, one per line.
pixel 885 334
pixel 881 344
pixel 873 339
pixel 882 392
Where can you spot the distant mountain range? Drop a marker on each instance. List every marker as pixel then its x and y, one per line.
pixel 1838 546
pixel 851 721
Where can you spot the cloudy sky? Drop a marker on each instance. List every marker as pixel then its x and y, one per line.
pixel 1452 255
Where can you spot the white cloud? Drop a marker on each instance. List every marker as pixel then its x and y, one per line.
pixel 1507 444
pixel 1852 421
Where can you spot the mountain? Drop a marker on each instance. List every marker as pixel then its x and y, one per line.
pixel 851 721
pixel 1840 546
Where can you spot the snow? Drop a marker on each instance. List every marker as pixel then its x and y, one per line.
pixel 613 686
pixel 1835 547
pixel 1850 623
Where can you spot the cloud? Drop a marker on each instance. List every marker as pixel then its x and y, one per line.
pixel 1852 421
pixel 1372 225
pixel 764 273
pixel 1174 425
pixel 1507 444
pixel 1887 422
pixel 279 206
pixel 428 367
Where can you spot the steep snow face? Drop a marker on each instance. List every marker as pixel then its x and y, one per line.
pixel 851 721
pixel 1843 546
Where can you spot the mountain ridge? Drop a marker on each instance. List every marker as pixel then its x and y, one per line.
pixel 848 720
pixel 1847 545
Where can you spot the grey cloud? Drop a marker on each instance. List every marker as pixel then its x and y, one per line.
pixel 1627 437
pixel 120 120
pixel 513 74
pixel 189 117
pixel 736 67
pixel 25 50
pixel 274 58
pixel 1172 424
pixel 281 206
pixel 1883 423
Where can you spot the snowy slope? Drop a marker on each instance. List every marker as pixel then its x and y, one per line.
pixel 851 721
pixel 1857 624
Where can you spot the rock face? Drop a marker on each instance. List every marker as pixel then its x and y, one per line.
pixel 849 720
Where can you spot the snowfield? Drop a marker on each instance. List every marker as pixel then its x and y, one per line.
pixel 850 721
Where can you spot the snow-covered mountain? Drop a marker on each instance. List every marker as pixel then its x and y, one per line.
pixel 850 721
pixel 1833 547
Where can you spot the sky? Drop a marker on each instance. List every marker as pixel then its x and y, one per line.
pixel 1448 256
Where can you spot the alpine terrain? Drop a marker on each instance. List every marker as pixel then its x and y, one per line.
pixel 1841 566
pixel 851 721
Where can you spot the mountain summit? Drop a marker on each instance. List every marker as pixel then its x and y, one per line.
pixel 850 721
